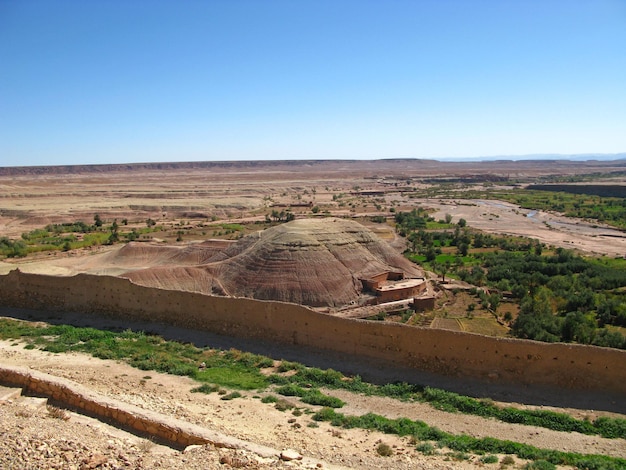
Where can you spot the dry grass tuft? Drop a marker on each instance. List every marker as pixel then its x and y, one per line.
pixel 146 445
pixel 384 450
pixel 23 413
pixel 57 413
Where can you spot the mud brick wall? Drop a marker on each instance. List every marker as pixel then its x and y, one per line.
pixel 439 351
pixel 145 422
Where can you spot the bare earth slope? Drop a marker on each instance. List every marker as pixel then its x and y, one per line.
pixel 316 262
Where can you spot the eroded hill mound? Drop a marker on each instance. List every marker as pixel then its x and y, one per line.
pixel 316 262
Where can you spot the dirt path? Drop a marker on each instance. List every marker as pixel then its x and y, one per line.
pixel 249 419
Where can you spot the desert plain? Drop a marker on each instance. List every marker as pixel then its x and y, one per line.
pixel 183 195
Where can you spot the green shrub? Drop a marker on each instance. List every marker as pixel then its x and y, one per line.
pixel 401 390
pixel 319 377
pixel 426 448
pixel 459 456
pixel 283 405
pixel 206 388
pixel 315 397
pixel 287 366
pixel 248 360
pixel 290 390
pixel 325 414
pixel 278 379
pixel 311 396
pixel 507 460
pixel 452 402
pixel 489 459
pixel 611 428
pixel 231 396
pixel 264 362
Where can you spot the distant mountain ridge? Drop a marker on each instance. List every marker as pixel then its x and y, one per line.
pixel 458 164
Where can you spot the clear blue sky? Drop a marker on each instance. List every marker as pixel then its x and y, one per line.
pixel 136 81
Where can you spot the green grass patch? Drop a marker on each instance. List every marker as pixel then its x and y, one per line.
pixel 311 396
pixel 463 443
pixel 206 388
pixel 445 258
pixel 233 377
pixel 231 396
pixel 233 369
pixel 232 227
pixel 487 326
pixel 417 259
pixel 606 261
pixel 68 236
pixel 489 459
pixel 16 329
pixel 431 225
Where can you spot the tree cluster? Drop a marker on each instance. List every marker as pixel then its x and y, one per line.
pixel 282 216
pixel 562 296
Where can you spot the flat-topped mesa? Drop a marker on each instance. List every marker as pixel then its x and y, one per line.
pixel 314 262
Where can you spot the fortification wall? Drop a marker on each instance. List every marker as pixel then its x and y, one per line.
pixel 439 351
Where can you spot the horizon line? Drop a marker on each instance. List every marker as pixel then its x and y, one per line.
pixel 475 159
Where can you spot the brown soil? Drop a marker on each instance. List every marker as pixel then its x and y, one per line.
pixel 314 262
pixel 248 419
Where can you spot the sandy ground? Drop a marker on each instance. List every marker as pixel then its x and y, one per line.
pixel 249 419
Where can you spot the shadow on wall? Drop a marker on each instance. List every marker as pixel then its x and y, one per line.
pixel 466 363
pixel 371 370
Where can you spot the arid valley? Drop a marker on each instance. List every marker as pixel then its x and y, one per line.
pixel 192 226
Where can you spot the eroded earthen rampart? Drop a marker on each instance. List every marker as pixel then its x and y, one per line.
pixel 172 431
pixel 438 351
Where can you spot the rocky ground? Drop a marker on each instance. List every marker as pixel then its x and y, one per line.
pixel 40 439
pixel 46 438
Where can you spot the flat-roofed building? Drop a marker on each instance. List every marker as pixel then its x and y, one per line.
pixel 391 286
